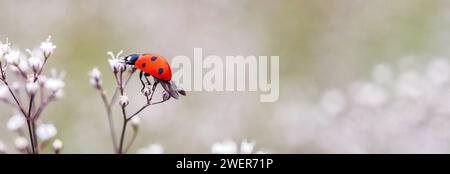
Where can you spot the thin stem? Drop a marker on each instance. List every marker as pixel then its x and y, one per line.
pixel 30 132
pixel 31 129
pixel 109 115
pixel 114 97
pixel 40 71
pixel 133 138
pixel 15 98
pixel 138 111
pixel 43 105
pixel 124 128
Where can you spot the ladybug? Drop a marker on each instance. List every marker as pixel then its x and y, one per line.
pixel 158 67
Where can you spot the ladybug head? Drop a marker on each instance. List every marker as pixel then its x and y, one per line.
pixel 131 59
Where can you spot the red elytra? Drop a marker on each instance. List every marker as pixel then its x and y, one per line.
pixel 155 65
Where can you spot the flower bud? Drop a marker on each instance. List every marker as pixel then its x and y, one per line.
pixel 41 80
pixel 21 143
pixel 46 131
pixel 147 91
pixel 47 47
pixel 16 122
pixel 57 146
pixel 15 86
pixel 124 101
pixel 35 63
pixel 13 57
pixel 31 87
pixel 135 122
pixel 95 79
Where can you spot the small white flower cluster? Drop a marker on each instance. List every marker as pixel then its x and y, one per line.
pixel 151 149
pixel 116 63
pixel 29 70
pixel 230 147
pixel 403 108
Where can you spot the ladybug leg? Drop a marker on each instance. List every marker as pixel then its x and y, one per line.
pixel 146 75
pixel 140 78
pixel 153 89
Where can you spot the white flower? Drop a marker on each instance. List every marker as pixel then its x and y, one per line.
pixel 411 84
pixel 4 49
pixel 59 94
pixel 95 79
pixel 124 101
pixel 116 62
pixel 261 152
pixel 151 149
pixel 57 145
pixel 23 65
pixel 135 121
pixel 42 79
pixel 13 57
pixel 4 92
pixel 225 147
pixel 15 86
pixel 438 71
pixel 46 131
pixel 247 147
pixel 47 47
pixel 16 122
pixel 55 83
pixel 21 143
pixel 333 102
pixel 35 63
pixel 369 94
pixel 31 87
pixel 2 147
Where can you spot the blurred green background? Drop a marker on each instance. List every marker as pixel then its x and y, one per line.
pixel 321 44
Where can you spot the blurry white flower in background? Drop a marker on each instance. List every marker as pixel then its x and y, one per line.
pixel 333 102
pixel 55 83
pixel 13 57
pixel 411 85
pixel 438 71
pixel 225 147
pixel 247 147
pixel 230 147
pixel 15 86
pixel 4 49
pixel 16 122
pixel 368 94
pixel 95 79
pixel 35 63
pixel 47 47
pixel 21 143
pixel 46 131
pixel 151 149
pixel 4 92
pixel 2 147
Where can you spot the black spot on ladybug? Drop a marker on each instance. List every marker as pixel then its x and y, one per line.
pixel 154 58
pixel 160 70
pixel 143 65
